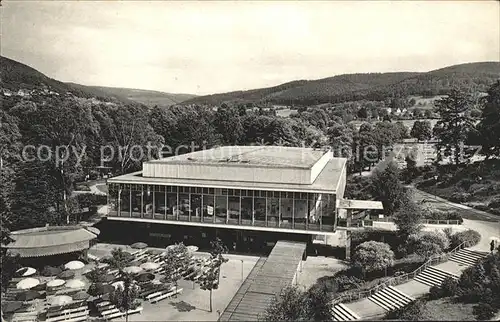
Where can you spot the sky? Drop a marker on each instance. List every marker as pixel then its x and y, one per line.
pixel 211 47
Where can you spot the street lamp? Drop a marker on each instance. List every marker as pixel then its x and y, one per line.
pixel 242 270
pixel 435 188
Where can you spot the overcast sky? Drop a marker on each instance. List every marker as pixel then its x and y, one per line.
pixel 207 47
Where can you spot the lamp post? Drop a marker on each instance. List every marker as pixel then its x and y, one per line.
pixel 435 188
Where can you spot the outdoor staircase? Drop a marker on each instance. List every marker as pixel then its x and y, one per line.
pixel 433 276
pixel 342 313
pixel 467 257
pixel 391 298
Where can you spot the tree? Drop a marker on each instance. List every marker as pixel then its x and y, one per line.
pixel 489 126
pixel 421 130
pixel 210 277
pixel 402 130
pixel 455 123
pixel 428 114
pixel 362 113
pixel 119 259
pixel 175 260
pixel 229 125
pixel 428 243
pixel 373 256
pixel 125 298
pixel 414 311
pixel 408 218
pixel 293 304
pixel 386 187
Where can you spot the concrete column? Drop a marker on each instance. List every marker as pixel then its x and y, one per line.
pixel 349 217
pixel 348 246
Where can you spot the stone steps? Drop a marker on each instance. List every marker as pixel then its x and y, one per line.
pixel 433 276
pixel 467 257
pixel 390 298
pixel 342 313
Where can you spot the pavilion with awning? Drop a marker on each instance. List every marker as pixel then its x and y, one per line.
pixel 51 240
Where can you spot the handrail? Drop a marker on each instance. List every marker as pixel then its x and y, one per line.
pixel 396 280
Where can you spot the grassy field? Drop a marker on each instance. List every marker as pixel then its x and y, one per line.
pixel 445 310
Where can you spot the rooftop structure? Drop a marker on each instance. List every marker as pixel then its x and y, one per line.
pixel 50 240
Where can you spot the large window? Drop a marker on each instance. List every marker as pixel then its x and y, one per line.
pixel 160 202
pixel 247 212
pixel 273 209
pixel 328 212
pixel 195 207
pixel 286 210
pixel 172 205
pixel 113 199
pixel 221 209
pixel 208 208
pixel 259 204
pixel 136 201
pixel 300 213
pixel 315 213
pixel 148 201
pixel 125 201
pixel 184 205
pixel 234 210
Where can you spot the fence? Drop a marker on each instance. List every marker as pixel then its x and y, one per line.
pixel 353 296
pixel 369 222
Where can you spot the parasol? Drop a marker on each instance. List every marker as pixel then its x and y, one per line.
pixel 149 266
pixel 60 300
pixel 66 275
pixel 132 269
pixel 145 277
pixel 55 283
pixel 74 265
pixel 139 245
pixel 27 283
pixel 75 283
pixel 51 271
pixel 81 296
pixel 26 271
pixel 27 295
pixel 192 248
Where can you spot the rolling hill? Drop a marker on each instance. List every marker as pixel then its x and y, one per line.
pixel 15 75
pixel 146 97
pixel 373 86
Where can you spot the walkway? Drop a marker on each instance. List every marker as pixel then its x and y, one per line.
pixel 264 283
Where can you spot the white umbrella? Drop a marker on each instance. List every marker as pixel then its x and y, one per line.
pixel 73 265
pixel 76 283
pixel 55 283
pixel 119 284
pixel 192 249
pixel 132 269
pixel 27 283
pixel 149 266
pixel 26 271
pixel 60 300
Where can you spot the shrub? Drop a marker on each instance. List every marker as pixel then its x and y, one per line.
pixel 435 292
pixel 410 312
pixel 460 197
pixel 373 256
pixel 449 287
pixel 470 236
pixel 483 311
pixel 428 243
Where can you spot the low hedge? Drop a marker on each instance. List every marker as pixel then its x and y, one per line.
pixel 470 236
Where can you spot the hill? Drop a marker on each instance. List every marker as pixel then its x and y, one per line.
pixel 146 97
pixel 15 76
pixel 372 86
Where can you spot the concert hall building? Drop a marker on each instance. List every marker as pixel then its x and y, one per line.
pixel 245 191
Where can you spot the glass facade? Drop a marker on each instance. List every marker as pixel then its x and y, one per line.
pixel 290 210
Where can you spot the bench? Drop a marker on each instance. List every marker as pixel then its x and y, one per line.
pixel 165 295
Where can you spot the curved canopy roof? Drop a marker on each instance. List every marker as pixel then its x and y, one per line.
pixel 46 241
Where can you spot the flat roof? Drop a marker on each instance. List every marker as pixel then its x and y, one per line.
pixel 326 181
pixel 265 283
pixel 256 156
